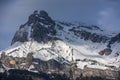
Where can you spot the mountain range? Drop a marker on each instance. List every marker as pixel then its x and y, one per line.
pixel 73 49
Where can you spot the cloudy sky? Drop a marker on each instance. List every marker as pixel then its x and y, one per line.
pixel 13 13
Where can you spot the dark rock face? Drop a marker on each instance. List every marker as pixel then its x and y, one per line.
pixel 40 21
pixel 106 52
pixel 39 32
pixel 90 36
pixel 42 17
pixel 114 39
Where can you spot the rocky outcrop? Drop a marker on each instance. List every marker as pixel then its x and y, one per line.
pixel 89 36
pixel 41 17
pixel 39 32
pixel 106 52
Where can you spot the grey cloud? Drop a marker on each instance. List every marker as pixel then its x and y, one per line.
pixel 109 20
pixel 114 0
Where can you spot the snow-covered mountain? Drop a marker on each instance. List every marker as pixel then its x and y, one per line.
pixel 46 39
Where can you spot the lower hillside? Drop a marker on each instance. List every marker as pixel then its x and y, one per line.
pixel 15 74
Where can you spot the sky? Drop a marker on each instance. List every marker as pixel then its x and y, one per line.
pixel 13 13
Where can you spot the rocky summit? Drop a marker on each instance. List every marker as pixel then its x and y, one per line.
pixel 47 49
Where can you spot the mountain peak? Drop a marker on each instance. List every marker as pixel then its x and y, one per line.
pixel 41 16
pixel 38 26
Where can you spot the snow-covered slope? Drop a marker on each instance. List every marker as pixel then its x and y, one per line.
pixel 65 42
